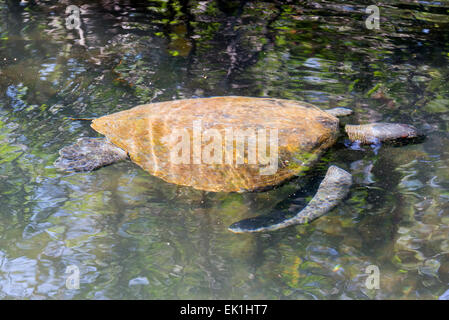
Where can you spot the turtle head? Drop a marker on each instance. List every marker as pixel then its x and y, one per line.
pixel 406 131
pixel 370 133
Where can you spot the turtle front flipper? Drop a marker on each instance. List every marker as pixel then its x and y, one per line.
pixel 334 187
pixel 88 154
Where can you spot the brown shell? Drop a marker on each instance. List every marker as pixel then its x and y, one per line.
pixel 304 132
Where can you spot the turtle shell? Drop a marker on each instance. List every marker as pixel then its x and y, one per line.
pixel 193 142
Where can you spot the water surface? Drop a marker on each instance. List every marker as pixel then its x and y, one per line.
pixel 133 236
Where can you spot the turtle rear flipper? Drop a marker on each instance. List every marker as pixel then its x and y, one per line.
pixel 88 154
pixel 334 187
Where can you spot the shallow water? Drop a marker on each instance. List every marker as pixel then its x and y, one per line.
pixel 133 236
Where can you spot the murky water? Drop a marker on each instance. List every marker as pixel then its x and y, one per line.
pixel 133 236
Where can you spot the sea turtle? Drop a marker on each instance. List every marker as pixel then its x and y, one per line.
pixel 201 143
